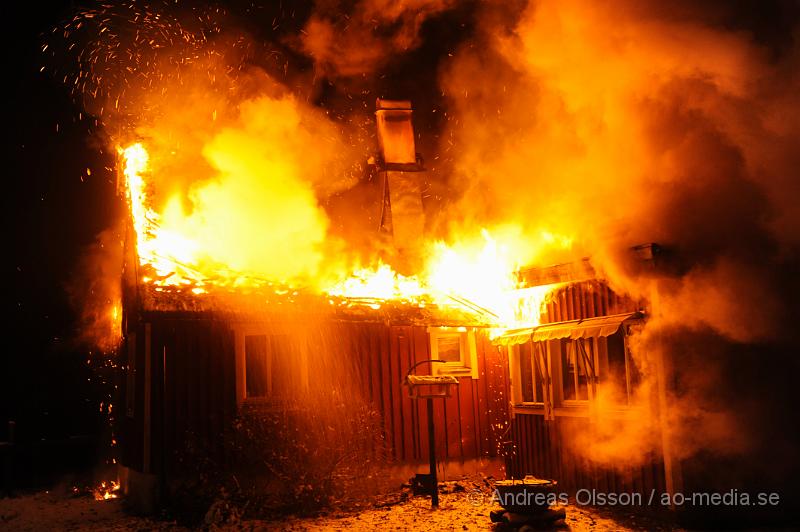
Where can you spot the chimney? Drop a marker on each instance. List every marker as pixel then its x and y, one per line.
pixel 401 172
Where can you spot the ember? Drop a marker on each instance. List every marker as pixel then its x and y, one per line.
pixel 106 490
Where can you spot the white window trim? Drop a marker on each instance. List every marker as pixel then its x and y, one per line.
pixel 516 372
pixel 467 366
pixel 580 362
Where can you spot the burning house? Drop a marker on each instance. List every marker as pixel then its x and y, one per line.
pixel 197 358
pixel 284 293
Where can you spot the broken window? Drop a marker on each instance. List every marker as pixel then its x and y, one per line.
pixel 256 365
pixel 618 374
pixel 575 370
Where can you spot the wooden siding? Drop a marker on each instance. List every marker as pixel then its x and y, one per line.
pixel 192 392
pixel 588 299
pixel 468 424
pixel 193 395
pixel 541 449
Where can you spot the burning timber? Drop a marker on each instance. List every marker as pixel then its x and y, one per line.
pixel 287 304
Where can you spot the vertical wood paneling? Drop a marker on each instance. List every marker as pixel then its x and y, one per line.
pixel 467 423
pixel 453 417
pixel 194 391
pixel 407 410
pixel 421 352
pixel 387 411
pixel 543 450
pixel 395 360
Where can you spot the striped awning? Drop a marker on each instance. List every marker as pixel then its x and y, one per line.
pixel 587 328
pixel 514 337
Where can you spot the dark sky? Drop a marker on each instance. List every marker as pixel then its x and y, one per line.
pixel 50 216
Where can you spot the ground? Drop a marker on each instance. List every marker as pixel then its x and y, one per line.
pixel 461 510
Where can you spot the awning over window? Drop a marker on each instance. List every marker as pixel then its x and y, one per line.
pixel 588 328
pixel 514 337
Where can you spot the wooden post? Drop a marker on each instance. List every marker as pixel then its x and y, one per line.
pixel 432 454
pixel 148 385
pixel 240 364
pixel 673 477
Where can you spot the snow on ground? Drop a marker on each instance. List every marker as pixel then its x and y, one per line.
pixel 457 511
pixel 52 511
pixel 56 510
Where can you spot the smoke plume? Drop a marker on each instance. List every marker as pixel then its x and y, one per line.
pixel 617 125
pixel 355 38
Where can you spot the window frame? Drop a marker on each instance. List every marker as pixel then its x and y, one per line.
pixel 467 365
pixel 537 376
pixel 554 401
pixel 298 356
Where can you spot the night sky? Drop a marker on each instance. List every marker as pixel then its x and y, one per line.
pixel 53 210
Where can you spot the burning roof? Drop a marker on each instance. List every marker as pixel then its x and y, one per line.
pixel 184 261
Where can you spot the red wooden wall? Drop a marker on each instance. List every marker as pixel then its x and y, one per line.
pixel 541 449
pixel 588 299
pixel 193 390
pixel 469 424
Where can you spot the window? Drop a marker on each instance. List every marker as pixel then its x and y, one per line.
pixel 526 373
pixel 271 369
pixel 531 373
pixel 618 374
pixel 576 368
pixel 457 348
pixel 590 366
pixel 257 366
pixel 449 348
pixel 572 364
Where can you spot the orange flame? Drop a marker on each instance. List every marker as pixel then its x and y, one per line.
pixel 477 274
pixel 106 490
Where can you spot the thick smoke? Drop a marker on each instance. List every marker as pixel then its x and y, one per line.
pixel 620 125
pixel 95 291
pixel 354 38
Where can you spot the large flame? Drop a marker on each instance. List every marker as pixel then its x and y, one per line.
pixel 477 274
pixel 165 253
